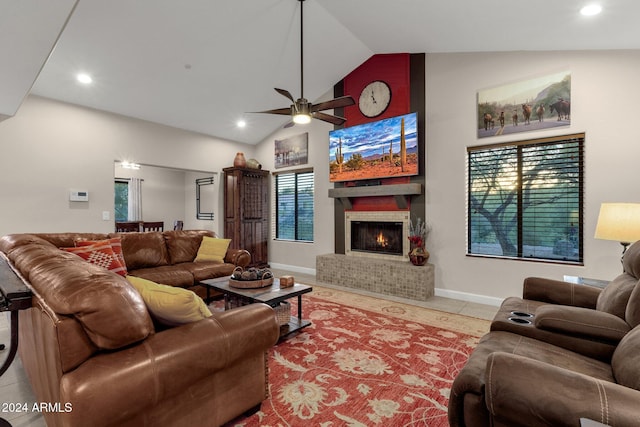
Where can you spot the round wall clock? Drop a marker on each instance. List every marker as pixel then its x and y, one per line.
pixel 374 98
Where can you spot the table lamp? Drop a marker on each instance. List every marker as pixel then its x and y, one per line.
pixel 619 222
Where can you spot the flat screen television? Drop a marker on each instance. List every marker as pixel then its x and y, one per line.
pixel 381 149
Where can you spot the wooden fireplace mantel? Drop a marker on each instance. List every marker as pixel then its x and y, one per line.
pixel 400 192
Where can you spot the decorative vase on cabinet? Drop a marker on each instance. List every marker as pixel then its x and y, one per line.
pixel 246 212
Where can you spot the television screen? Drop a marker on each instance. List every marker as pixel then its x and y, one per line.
pixel 382 149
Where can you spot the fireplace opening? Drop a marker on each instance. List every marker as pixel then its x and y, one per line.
pixel 381 237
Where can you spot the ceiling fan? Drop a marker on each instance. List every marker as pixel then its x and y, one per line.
pixel 302 111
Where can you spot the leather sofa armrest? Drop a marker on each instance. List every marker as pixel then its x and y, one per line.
pixel 238 257
pixel 521 391
pixel 581 321
pixel 133 379
pixel 559 292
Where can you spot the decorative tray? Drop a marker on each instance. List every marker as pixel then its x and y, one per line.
pixel 251 278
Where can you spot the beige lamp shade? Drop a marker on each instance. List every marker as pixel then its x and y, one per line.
pixel 619 222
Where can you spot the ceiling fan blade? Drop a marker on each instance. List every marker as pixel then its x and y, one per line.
pixel 336 120
pixel 285 93
pixel 343 101
pixel 284 111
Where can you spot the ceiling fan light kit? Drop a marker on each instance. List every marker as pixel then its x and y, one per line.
pixel 302 111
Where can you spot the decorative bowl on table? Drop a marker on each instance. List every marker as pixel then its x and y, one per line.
pixel 251 278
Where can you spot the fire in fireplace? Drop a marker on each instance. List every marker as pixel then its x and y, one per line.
pixel 377 234
pixel 377 237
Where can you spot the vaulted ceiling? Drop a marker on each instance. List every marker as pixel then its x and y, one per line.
pixel 202 65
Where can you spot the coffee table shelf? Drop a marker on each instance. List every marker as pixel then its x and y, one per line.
pixel 270 295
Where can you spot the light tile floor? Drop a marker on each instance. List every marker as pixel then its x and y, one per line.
pixel 15 388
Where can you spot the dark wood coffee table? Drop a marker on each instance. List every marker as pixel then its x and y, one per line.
pixel 271 295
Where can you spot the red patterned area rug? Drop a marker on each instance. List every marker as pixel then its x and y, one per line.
pixel 386 364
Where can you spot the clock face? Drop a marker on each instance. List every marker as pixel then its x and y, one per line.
pixel 374 98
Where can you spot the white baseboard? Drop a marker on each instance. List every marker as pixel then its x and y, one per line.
pixel 293 268
pixel 462 296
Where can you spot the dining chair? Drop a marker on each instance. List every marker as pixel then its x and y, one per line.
pixel 153 226
pixel 127 227
pixel 177 225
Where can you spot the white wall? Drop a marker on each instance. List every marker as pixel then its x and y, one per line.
pixel 604 96
pixel 302 256
pixel 603 93
pixel 49 147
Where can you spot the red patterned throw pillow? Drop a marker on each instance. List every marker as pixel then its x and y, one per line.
pixel 116 246
pixel 100 253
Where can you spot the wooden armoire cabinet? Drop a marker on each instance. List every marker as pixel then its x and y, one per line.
pixel 246 212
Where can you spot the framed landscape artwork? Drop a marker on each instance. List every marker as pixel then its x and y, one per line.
pixel 293 151
pixel 535 104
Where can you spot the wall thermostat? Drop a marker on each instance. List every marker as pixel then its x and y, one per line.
pixel 78 195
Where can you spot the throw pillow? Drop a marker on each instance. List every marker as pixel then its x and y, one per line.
pixel 99 253
pixel 170 305
pixel 212 249
pixel 116 246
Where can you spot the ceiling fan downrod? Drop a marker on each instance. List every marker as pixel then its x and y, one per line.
pixel 301 51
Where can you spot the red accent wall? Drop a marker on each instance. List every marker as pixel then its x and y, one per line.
pixel 394 69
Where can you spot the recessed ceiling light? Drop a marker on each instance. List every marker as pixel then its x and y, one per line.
pixel 84 78
pixel 241 123
pixel 590 10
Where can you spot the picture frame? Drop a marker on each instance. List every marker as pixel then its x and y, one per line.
pixel 292 151
pixel 535 104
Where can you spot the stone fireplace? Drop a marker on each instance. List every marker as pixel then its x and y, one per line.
pixel 376 257
pixel 378 234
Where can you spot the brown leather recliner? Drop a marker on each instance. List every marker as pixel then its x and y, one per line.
pixel 577 317
pixel 579 357
pixel 516 381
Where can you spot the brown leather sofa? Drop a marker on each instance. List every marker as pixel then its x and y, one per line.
pixel 579 357
pixel 90 345
pixel 163 257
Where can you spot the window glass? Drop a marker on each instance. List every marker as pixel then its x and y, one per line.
pixel 121 200
pixel 525 199
pixel 294 206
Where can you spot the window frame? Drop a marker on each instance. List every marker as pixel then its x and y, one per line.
pixel 276 229
pixel 578 141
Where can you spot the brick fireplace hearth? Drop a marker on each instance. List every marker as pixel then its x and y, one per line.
pixel 387 277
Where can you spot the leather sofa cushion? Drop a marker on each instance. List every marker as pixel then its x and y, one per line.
pixel 67 240
pixel 112 314
pixel 626 359
pixel 183 244
pixel 208 269
pixel 580 321
pixel 471 377
pixel 614 297
pixel 174 275
pixel 144 250
pixel 631 260
pixel 632 314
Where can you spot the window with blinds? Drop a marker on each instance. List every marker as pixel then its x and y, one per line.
pixel 525 199
pixel 294 206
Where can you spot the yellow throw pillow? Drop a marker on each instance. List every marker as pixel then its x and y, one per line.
pixel 170 305
pixel 212 249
